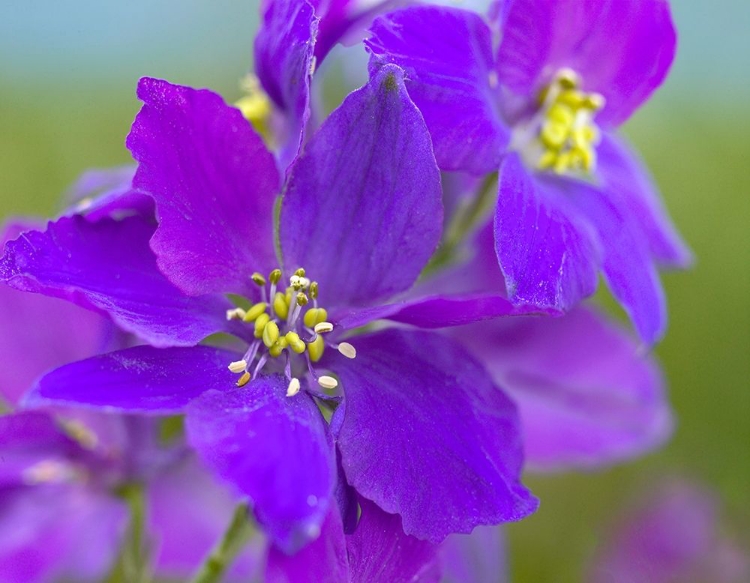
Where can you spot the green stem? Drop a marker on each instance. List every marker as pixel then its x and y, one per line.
pixel 222 555
pixel 135 557
pixel 463 223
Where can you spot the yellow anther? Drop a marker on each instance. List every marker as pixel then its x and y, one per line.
pixel 594 101
pixel 235 314
pixel 547 160
pixel 300 272
pixel 554 135
pixel 302 299
pixel 563 162
pixel 561 114
pixel 270 334
pixel 80 433
pixel 260 324
pixel 315 316
pixel 315 348
pixel 572 98
pixel 258 279
pixel 328 382
pixel 275 276
pixel 252 314
pixel 288 296
pixel 238 366
pixel 568 78
pixel 293 388
pixel 347 350
pixel 278 347
pixel 243 380
pixel 280 306
pixel 314 290
pixel 323 327
pixel 295 342
pixel 255 106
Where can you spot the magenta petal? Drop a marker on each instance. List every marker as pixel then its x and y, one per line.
pixel 274 449
pixel 548 258
pixel 324 560
pixel 446 54
pixel 214 184
pixel 418 409
pixel 628 183
pixel 140 379
pixel 284 64
pixel 188 513
pixel 54 533
pixel 366 189
pixel 380 551
pixel 107 266
pixel 622 50
pixel 586 395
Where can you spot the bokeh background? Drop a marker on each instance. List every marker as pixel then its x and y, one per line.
pixel 67 77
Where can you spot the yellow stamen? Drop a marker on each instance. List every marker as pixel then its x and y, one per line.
pixel 258 279
pixel 260 324
pixel 295 342
pixel 280 306
pixel 270 334
pixel 316 348
pixel 243 380
pixel 276 350
pixel 254 312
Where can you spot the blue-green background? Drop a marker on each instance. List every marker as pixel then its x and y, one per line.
pixel 67 77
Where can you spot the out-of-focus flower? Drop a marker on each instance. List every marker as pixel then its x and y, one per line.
pixel 673 536
pixel 361 212
pixel 61 517
pixel 572 198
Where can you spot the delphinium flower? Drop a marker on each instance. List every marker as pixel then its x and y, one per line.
pixel 419 428
pixel 572 198
pixel 65 471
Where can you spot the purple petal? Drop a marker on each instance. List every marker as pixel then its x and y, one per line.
pixel 626 264
pixel 214 184
pixel 365 190
pixel 479 556
pixel 380 551
pixel 547 257
pixel 673 536
pixel 628 183
pixel 58 533
pixel 446 54
pixel 140 379
pixel 188 513
pixel 586 395
pixel 274 449
pixel 107 266
pixel 108 193
pixel 622 50
pixel 322 561
pixel 284 64
pixel 420 410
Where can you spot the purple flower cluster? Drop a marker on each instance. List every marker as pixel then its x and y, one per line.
pixel 270 274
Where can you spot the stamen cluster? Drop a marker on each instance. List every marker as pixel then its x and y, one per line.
pixel 286 323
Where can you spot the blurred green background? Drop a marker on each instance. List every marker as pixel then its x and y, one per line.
pixel 67 78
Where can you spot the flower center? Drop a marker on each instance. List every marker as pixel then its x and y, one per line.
pixel 289 327
pixel 562 136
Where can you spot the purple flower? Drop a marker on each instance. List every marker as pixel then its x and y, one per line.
pixel 572 199
pixel 420 428
pixel 673 535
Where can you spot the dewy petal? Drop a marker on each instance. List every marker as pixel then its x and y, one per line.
pixel 380 551
pixel 586 394
pixel 479 556
pixel 187 513
pixel 284 64
pixel 548 257
pixel 141 379
pixel 324 560
pixel 626 263
pixel 214 184
pixel 629 185
pixel 424 432
pixel 365 191
pixel 107 266
pixel 621 50
pixel 54 533
pixel 38 333
pixel 446 54
pixel 275 449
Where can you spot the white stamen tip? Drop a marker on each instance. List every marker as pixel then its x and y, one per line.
pixel 323 327
pixel 235 314
pixel 238 366
pixel 293 388
pixel 328 382
pixel 347 350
